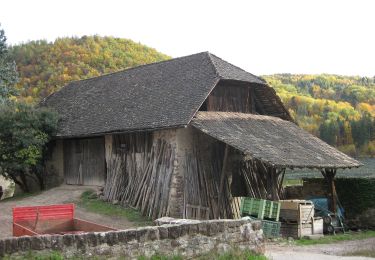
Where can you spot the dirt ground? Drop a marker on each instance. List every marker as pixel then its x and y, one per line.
pixel 62 194
pixel 321 252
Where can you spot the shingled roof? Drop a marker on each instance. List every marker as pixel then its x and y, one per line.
pixel 272 140
pixel 155 96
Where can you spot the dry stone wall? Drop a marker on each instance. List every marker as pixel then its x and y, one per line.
pixel 185 239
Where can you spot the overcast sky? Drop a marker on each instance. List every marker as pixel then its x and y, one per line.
pixel 262 37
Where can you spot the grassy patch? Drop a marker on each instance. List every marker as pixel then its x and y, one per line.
pixel 230 255
pixel 233 254
pixel 337 238
pixel 22 196
pixel 35 256
pixel 292 182
pixel 367 253
pixel 90 202
pixel 160 257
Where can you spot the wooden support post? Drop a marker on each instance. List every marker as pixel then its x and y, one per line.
pixel 273 184
pixel 329 175
pixel 222 179
pixel 252 99
pixel 280 190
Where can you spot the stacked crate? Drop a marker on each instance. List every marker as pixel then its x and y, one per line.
pixel 297 219
pixel 265 210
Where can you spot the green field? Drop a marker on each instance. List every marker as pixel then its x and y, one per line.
pixel 366 171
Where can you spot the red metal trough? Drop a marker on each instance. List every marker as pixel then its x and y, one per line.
pixel 52 219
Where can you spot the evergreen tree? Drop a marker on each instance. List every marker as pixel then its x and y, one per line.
pixel 362 130
pixel 8 72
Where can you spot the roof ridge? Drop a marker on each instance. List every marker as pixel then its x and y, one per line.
pixel 139 66
pixel 213 64
pixel 123 70
pixel 240 114
pixel 210 54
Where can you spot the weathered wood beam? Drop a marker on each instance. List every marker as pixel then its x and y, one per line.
pixel 280 189
pixel 222 176
pixel 259 106
pixel 329 175
pixel 252 100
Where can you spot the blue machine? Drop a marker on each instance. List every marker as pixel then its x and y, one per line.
pixel 332 222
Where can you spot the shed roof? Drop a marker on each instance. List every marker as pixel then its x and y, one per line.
pixel 154 96
pixel 275 141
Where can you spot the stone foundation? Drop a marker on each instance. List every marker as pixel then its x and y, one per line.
pixel 187 239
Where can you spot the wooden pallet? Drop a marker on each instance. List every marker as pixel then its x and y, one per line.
pixel 296 211
pixel 299 230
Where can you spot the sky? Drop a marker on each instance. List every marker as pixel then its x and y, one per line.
pixel 262 37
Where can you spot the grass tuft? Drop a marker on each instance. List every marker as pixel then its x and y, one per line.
pixel 233 254
pixel 337 238
pixel 92 203
pixel 366 253
pixel 160 257
pixel 22 196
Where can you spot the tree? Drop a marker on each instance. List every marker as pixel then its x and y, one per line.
pixel 24 130
pixel 8 72
pixel 24 133
pixel 329 132
pixel 362 130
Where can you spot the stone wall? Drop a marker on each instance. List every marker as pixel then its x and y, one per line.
pixel 185 239
pixel 7 186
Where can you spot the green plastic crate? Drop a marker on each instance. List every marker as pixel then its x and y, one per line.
pixel 253 207
pixel 271 228
pixel 259 208
pixel 273 211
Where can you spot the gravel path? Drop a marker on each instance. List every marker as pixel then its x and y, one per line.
pixel 324 251
pixel 61 194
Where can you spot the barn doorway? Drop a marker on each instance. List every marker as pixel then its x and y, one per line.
pixel 84 161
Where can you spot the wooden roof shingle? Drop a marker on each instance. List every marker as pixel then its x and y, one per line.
pixel 272 140
pixel 154 96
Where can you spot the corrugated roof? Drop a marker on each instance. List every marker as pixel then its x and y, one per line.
pixel 159 95
pixel 275 141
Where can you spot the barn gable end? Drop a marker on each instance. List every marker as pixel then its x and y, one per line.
pixel 183 138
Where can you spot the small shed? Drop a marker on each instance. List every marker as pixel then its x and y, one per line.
pixel 182 138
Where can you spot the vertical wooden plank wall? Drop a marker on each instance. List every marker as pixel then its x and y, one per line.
pixel 84 162
pixel 140 167
pixel 200 160
pixel 231 97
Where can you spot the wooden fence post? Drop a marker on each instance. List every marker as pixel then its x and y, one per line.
pixel 329 175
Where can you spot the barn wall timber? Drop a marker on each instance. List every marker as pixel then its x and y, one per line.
pixel 55 164
pixel 231 96
pixel 84 162
pixel 176 193
pixel 200 162
pixel 185 170
pixel 238 96
pixel 141 172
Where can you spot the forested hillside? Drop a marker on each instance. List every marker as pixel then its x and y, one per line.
pixel 44 67
pixel 338 109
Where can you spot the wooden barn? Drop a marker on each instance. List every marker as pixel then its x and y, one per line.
pixel 182 138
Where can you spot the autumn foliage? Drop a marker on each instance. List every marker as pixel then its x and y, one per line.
pixel 45 67
pixel 338 109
